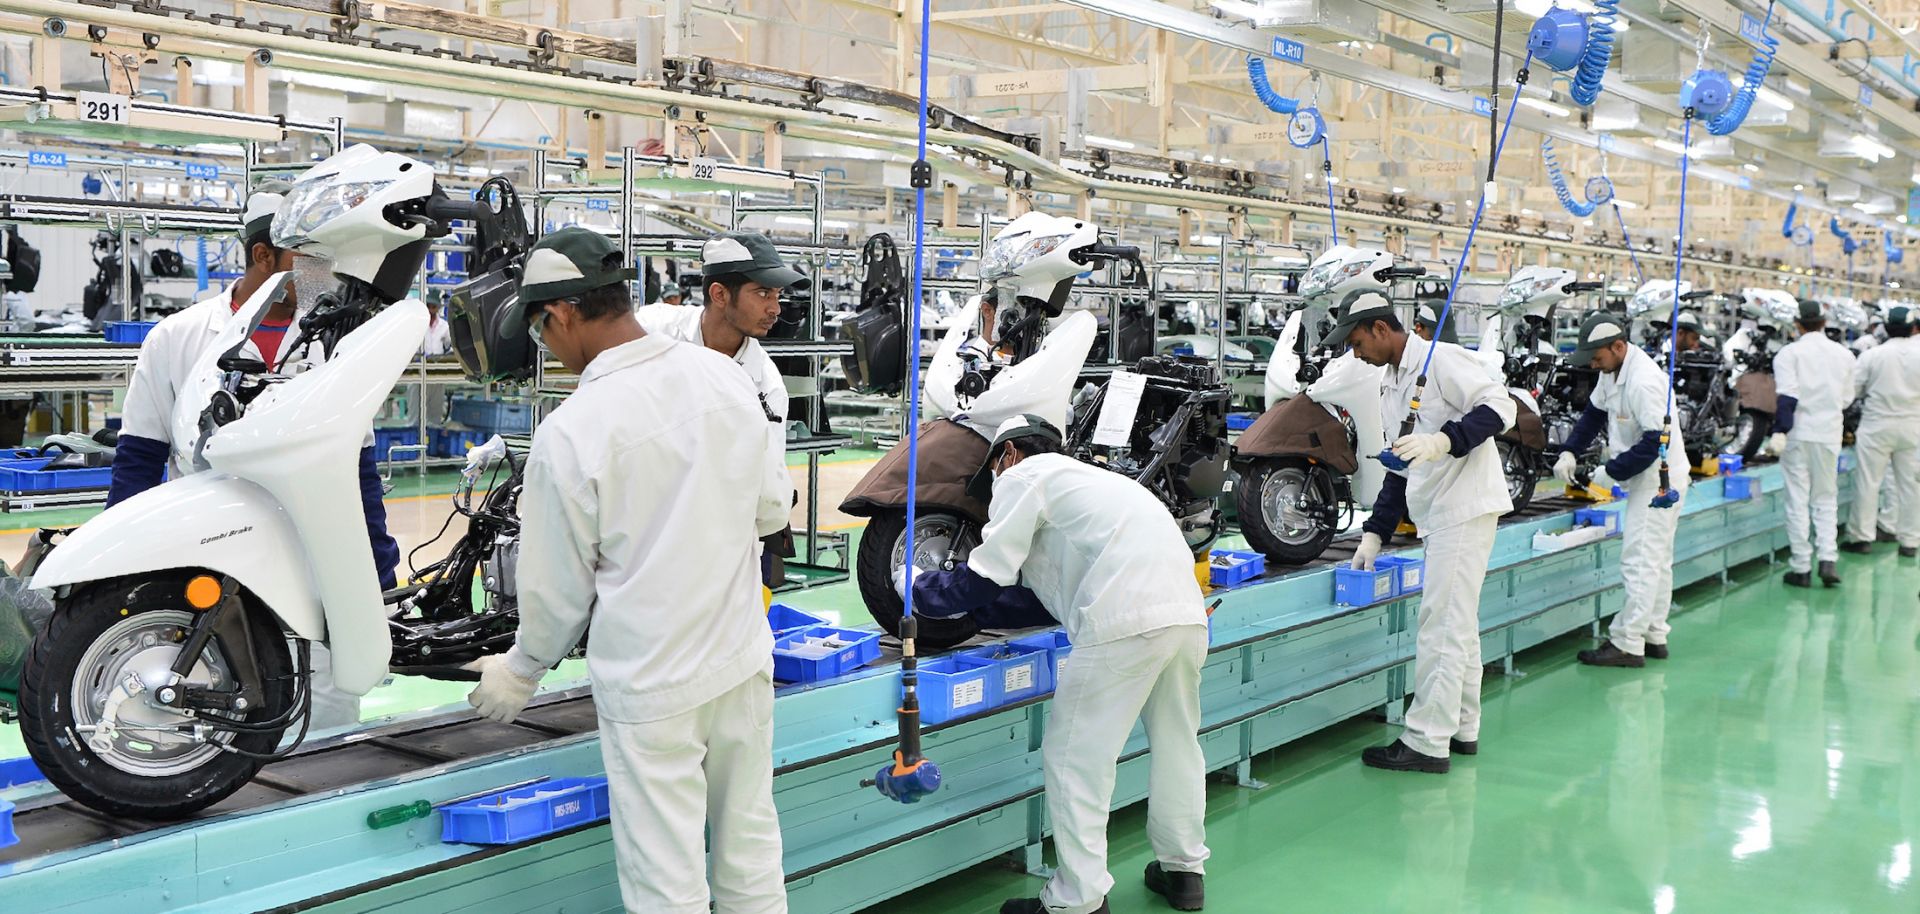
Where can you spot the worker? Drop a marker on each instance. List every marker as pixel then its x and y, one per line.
pixel 1687 333
pixel 1105 558
pixel 144 454
pixel 1887 380
pixel 1454 490
pixel 642 498
pixel 673 295
pixel 740 311
pixel 1813 376
pixel 1427 316
pixel 1630 400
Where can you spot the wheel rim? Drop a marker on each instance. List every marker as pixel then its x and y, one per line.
pixel 144 742
pixel 933 536
pixel 1289 505
pixel 1511 466
pixel 1743 429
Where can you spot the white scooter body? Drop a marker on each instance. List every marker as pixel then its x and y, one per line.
pixel 1346 383
pixel 1041 384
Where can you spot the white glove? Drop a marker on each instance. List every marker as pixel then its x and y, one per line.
pixel 1564 466
pixel 1602 479
pixel 502 694
pixel 1369 550
pixel 904 576
pixel 1417 447
pixel 1777 443
pixel 482 457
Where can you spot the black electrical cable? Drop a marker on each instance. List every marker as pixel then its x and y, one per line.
pixel 1493 92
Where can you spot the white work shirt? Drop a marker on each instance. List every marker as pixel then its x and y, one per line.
pixel 1448 491
pixel 683 323
pixel 1817 372
pixel 645 494
pixel 165 365
pixel 1635 400
pixel 1888 376
pixel 1101 553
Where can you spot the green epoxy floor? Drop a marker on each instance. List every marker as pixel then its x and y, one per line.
pixel 1769 767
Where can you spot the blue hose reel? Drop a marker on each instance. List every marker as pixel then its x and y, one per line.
pixel 1801 235
pixel 1709 93
pixel 1599 190
pixel 1305 126
pixel 1712 96
pixel 1565 40
pixel 1847 244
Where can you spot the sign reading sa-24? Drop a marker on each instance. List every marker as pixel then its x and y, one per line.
pixel 47 159
pixel 1289 51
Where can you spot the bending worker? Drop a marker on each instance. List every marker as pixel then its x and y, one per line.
pixel 173 348
pixel 1109 562
pixel 1814 379
pixel 1888 380
pixel 1454 491
pixel 1630 400
pixel 643 495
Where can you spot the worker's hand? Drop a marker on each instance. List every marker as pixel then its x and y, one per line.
pixel 904 576
pixel 1777 443
pixel 1417 447
pixel 1603 479
pixel 502 694
pixel 1564 467
pixel 1369 550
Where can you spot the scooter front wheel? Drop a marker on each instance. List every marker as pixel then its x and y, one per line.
pixel 1287 507
pixel 1519 463
pixel 883 546
pixel 90 721
pixel 1750 432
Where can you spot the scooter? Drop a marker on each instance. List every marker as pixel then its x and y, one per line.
pixel 178 652
pixel 1705 404
pixel 1526 361
pixel 1764 317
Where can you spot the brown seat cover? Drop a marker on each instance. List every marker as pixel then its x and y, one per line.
pixel 1299 427
pixel 950 453
pixel 1757 391
pixel 1528 431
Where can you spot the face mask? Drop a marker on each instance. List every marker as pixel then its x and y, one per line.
pixel 312 279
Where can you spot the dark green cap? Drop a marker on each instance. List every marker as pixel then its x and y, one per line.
pixel 1356 309
pixel 1899 316
pixel 748 254
pixel 1810 310
pixel 1600 330
pixel 571 262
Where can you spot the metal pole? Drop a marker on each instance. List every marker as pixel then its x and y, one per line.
pixel 1220 325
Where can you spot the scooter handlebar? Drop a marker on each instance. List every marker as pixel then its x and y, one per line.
pixel 1414 271
pixel 1577 287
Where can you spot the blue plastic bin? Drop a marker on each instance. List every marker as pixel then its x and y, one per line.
pixel 492 416
pixel 17 771
pixel 386 439
pixel 513 816
pixel 1057 646
pixel 127 331
pixel 1363 588
pixel 956 686
pixel 1240 422
pixel 1024 671
pixel 1596 517
pixel 1739 487
pixel 453 442
pixel 1410 574
pixel 1731 464
pixel 785 620
pixel 26 474
pixel 796 659
pixel 1237 567
pixel 7 837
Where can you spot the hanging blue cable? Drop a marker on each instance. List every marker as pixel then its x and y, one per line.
pixel 1626 241
pixel 1326 174
pixel 1667 496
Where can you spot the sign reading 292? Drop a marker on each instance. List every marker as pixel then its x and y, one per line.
pixel 104 108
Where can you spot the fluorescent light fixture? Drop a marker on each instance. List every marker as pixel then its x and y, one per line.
pixel 1676 149
pixel 1872 145
pixel 1534 8
pixel 835 223
pixel 1108 142
pixel 1767 95
pixel 1804 187
pixel 1902 218
pixel 1751 167
pixel 1545 106
pixel 1625 204
pixel 793 220
pixel 1587 222
pixel 1399 190
pixel 1525 212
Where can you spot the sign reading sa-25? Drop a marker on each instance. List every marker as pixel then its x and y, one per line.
pixel 201 171
pixel 1289 51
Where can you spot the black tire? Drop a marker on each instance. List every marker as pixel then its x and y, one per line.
pixel 873 566
pixel 1269 531
pixel 1521 465
pixel 47 713
pixel 1750 432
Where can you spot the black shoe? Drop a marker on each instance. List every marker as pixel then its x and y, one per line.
pixel 1184 891
pixel 1907 552
pixel 1398 756
pixel 1883 535
pixel 1799 579
pixel 1656 652
pixel 1463 747
pixel 1608 655
pixel 1033 906
pixel 1858 547
pixel 1829 575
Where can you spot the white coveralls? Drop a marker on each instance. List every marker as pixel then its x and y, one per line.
pixel 1888 377
pixel 1102 554
pixel 1456 503
pixel 1635 401
pixel 683 323
pixel 644 495
pixel 1818 373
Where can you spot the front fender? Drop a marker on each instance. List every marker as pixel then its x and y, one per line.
pixel 205 520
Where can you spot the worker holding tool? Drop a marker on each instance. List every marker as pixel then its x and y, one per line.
pixel 1888 380
pixel 1630 400
pixel 643 495
pixel 168 357
pixel 1814 379
pixel 1106 559
pixel 1453 489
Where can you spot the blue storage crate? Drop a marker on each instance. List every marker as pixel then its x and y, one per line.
pixel 1409 574
pixel 127 331
pixel 386 439
pixel 17 771
pixel 28 474
pixel 525 813
pixel 809 655
pixel 492 416
pixel 1057 646
pixel 1619 493
pixel 1740 487
pixel 1731 464
pixel 1024 671
pixel 453 442
pixel 1352 587
pixel 1227 567
pixel 955 686
pixel 1240 422
pixel 785 620
pixel 1596 517
pixel 7 837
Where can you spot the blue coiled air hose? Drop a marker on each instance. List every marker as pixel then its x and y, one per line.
pixel 1730 119
pixel 1593 61
pixel 1847 244
pixel 1559 179
pixel 1565 40
pixel 1275 102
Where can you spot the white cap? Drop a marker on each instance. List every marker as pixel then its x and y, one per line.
pixel 261 205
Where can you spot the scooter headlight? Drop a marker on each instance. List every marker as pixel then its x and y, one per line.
pixel 310 206
pixel 1007 255
pixel 1315 282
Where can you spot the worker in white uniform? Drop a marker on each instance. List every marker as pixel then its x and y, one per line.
pixel 1888 380
pixel 1814 379
pixel 1107 560
pixel 144 455
pixel 643 496
pixel 1630 399
pixel 1453 489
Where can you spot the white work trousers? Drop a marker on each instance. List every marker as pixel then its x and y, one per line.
pixel 671 780
pixel 1646 565
pixel 1878 449
pixel 1103 690
pixel 1811 472
pixel 1446 654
